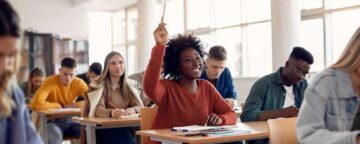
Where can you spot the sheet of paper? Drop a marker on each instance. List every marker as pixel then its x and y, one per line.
pixel 129 116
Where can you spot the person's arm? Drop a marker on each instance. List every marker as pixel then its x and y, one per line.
pixel 311 124
pixel 153 88
pixel 136 104
pixel 255 101
pixel 231 91
pixel 32 137
pixel 221 108
pixel 39 100
pixel 101 110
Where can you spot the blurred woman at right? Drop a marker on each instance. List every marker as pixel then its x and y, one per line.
pixel 330 113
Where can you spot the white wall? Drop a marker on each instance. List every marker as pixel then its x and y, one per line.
pixel 53 16
pixel 243 86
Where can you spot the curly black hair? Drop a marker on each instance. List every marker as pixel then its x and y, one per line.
pixel 303 54
pixel 173 50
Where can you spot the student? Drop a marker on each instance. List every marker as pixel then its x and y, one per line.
pixel 331 110
pixel 36 78
pixel 93 72
pixel 60 91
pixel 182 98
pixel 219 75
pixel 15 122
pixel 279 94
pixel 118 99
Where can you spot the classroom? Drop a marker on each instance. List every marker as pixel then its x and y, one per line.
pixel 179 71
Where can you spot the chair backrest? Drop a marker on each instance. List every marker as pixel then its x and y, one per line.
pixel 147 116
pixel 282 130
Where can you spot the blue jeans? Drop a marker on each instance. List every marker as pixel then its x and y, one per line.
pixel 57 129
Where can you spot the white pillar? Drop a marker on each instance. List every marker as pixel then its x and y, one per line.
pixel 147 22
pixel 285 23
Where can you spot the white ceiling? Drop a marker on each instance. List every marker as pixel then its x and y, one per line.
pixel 103 5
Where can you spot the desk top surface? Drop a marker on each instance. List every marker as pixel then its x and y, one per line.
pixel 60 112
pixel 257 130
pixel 106 121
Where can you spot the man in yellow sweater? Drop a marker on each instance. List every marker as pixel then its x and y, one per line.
pixel 60 91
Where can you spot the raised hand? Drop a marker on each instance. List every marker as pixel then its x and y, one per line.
pixel 161 34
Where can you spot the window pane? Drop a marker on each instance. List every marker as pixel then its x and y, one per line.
pixel 311 4
pixel 131 59
pixel 119 28
pixel 230 39
pixel 206 41
pixel 312 39
pixel 198 14
pixel 257 10
pixel 227 13
pixel 99 35
pixel 132 18
pixel 343 26
pixel 343 3
pixel 174 16
pixel 259 49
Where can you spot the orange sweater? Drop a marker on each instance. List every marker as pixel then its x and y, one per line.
pixel 177 106
pixel 52 94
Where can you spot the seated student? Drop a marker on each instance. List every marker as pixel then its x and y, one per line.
pixel 330 113
pixel 182 98
pixel 15 122
pixel 60 91
pixel 93 72
pixel 36 78
pixel 118 99
pixel 279 94
pixel 219 75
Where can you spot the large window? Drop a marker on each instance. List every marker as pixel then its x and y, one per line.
pixel 326 27
pixel 99 35
pixel 241 26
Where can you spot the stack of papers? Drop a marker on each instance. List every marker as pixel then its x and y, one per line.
pixel 209 130
pixel 129 116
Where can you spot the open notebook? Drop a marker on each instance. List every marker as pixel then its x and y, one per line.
pixel 193 130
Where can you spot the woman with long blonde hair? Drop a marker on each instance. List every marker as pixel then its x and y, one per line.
pixel 118 99
pixel 15 124
pixel 331 109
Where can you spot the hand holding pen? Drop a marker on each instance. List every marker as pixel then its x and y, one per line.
pixel 213 120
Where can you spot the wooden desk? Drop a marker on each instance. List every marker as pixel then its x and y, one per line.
pixel 46 115
pixel 258 130
pixel 92 124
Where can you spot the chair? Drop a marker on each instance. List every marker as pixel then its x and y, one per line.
pixel 147 116
pixel 282 130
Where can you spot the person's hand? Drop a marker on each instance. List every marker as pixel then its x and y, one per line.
pixel 117 112
pixel 290 111
pixel 129 111
pixel 213 120
pixel 230 102
pixel 72 105
pixel 358 139
pixel 161 34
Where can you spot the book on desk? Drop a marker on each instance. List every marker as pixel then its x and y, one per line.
pixel 196 130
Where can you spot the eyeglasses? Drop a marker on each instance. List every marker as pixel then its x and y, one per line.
pixel 300 72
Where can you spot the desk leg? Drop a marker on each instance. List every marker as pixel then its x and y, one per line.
pixel 165 141
pixel 43 121
pixel 90 134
